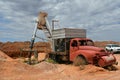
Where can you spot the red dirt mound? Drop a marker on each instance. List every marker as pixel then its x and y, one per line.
pixel 14 49
pixel 16 70
pixel 3 56
pixel 93 69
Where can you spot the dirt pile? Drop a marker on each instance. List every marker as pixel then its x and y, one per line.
pixel 15 70
pixel 45 66
pixel 15 49
pixel 93 69
pixel 4 57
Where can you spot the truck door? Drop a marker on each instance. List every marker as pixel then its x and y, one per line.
pixel 74 46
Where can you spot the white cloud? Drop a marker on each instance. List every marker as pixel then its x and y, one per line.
pixel 94 15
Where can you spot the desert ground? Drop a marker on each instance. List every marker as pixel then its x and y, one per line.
pixel 14 68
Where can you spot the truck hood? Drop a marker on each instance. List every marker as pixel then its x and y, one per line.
pixel 92 48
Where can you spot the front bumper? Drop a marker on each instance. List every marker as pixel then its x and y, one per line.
pixel 107 60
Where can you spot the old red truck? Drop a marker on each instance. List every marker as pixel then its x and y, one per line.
pixel 71 45
pixel 85 51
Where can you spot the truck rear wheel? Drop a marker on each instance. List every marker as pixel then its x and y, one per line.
pixel 79 60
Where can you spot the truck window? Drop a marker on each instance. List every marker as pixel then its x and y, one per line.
pixel 86 43
pixel 74 43
pixel 82 42
pixel 90 43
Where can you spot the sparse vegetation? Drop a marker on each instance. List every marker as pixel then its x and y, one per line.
pixel 51 60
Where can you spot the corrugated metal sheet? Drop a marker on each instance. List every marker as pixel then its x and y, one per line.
pixel 69 33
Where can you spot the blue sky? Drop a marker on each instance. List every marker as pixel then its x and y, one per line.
pixel 101 18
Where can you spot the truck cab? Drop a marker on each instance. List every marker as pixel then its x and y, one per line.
pixel 84 50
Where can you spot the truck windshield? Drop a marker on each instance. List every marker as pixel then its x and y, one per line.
pixel 86 43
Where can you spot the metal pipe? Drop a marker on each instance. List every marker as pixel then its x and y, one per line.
pixel 31 44
pixel 33 37
pixel 53 23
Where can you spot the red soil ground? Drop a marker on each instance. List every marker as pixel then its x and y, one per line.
pixel 15 69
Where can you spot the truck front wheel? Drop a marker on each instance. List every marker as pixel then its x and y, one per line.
pixel 79 60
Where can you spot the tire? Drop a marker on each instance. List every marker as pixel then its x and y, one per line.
pixel 111 50
pixel 79 60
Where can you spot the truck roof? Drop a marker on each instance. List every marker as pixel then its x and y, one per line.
pixel 81 39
